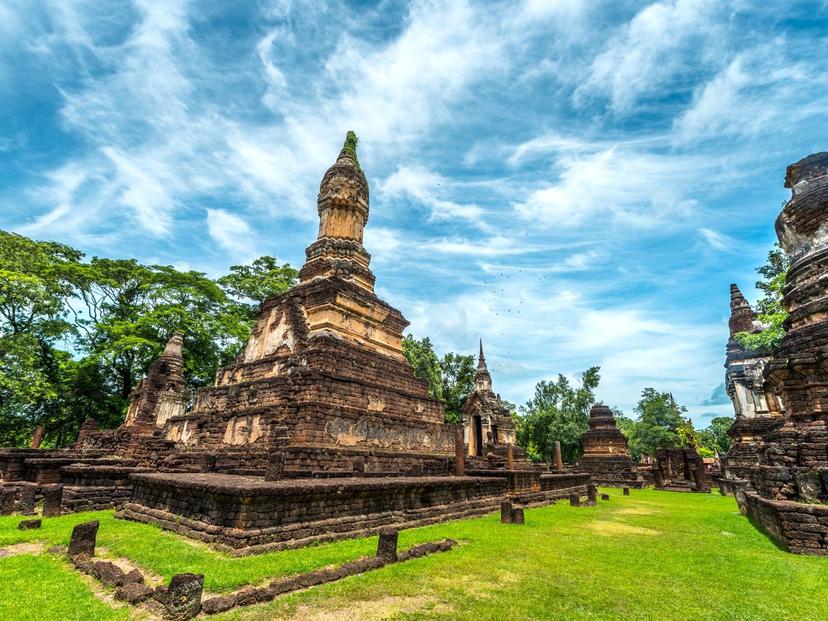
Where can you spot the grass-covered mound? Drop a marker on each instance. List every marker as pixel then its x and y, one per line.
pixel 653 555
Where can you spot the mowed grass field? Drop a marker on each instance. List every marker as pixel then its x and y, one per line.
pixel 652 555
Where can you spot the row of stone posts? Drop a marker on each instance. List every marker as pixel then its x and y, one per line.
pixel 23 497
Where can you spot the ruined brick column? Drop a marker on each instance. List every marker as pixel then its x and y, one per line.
pixel 699 478
pixel 27 499
pixel 52 500
pixel 459 452
pixel 37 438
pixel 506 510
pixel 387 544
pixel 7 498
pixel 558 458
pixel 592 492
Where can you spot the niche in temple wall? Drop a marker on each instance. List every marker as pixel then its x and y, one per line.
pixel 274 334
pixel 243 430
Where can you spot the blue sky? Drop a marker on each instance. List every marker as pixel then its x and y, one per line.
pixel 575 181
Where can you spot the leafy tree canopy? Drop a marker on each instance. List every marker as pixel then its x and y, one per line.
pixel 658 423
pixel 76 335
pixel 769 308
pixel 258 281
pixel 715 437
pixel 558 411
pixel 450 378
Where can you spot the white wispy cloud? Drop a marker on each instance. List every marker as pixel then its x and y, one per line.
pixel 662 43
pixel 757 91
pixel 621 186
pixel 718 241
pixel 233 234
pixel 428 188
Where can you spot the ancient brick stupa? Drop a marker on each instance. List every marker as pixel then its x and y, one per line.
pixel 756 408
pixel 320 429
pixel 787 490
pixel 487 423
pixel 605 453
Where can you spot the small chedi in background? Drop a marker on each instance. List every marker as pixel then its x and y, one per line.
pixel 680 470
pixel 488 429
pixel 606 455
pixel 778 465
pixel 756 406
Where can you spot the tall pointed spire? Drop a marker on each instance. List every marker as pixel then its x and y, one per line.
pixel 342 204
pixel 741 314
pixel 482 379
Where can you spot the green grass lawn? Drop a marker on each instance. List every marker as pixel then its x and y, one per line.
pixel 653 555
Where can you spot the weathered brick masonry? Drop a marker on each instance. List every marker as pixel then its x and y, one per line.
pixel 779 465
pixel 606 455
pixel 319 430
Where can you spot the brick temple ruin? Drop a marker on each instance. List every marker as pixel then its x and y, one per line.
pixel 778 464
pixel 319 430
pixel 606 455
pixel 680 470
pixel 488 429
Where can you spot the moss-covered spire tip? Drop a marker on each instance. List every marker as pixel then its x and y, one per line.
pixel 350 146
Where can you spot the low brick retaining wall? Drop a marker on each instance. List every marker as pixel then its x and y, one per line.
pixel 94 488
pixel 250 515
pixel 801 527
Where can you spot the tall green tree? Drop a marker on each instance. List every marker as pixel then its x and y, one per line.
pixel 457 371
pixel 130 310
pixel 558 411
pixel 421 355
pixel 76 335
pixel 258 281
pixel 769 308
pixel 715 436
pixel 659 420
pixel 33 293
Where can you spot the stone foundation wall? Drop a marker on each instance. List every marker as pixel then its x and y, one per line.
pixel 309 461
pixel 94 488
pixel 611 471
pixel 254 515
pixel 800 527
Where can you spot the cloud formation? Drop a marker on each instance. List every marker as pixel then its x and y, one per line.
pixel 576 182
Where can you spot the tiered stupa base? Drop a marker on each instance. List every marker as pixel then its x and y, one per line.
pixel 249 515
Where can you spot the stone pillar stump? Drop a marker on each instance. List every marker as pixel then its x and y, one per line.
pixel 83 539
pixel 592 492
pixel 387 544
pixel 183 599
pixel 27 499
pixel 7 497
pixel 52 499
pixel 506 510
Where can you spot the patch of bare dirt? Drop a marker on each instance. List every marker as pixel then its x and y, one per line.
pixel 636 511
pixel 22 548
pixel 373 610
pixel 610 529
